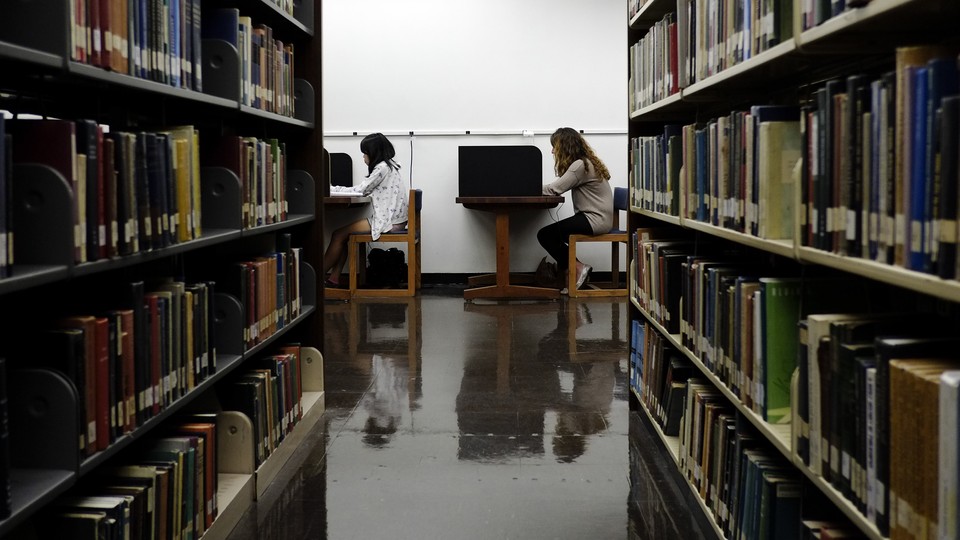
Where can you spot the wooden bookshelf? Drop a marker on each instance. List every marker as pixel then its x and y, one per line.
pixel 43 77
pixel 857 39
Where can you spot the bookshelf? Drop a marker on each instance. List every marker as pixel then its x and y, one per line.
pixel 44 76
pixel 787 73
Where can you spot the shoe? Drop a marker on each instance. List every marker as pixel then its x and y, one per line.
pixel 584 274
pixel 331 284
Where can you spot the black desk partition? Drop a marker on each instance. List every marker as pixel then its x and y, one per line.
pixel 341 169
pixel 498 171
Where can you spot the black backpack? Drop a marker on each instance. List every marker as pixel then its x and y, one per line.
pixel 386 268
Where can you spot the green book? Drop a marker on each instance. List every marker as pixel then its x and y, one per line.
pixel 780 312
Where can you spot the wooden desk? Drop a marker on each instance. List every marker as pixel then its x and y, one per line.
pixel 345 202
pixel 503 207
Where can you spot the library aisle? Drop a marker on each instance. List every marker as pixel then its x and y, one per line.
pixel 449 419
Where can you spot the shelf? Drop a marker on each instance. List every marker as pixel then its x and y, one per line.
pixel 777 434
pixel 285 26
pixel 780 247
pixel 26 276
pixel 291 221
pixel 12 51
pixel 738 76
pixel 307 310
pixel 672 445
pixel 225 364
pixel 651 12
pixel 235 492
pixel 673 220
pixel 894 275
pixel 870 26
pixel 279 118
pixel 209 238
pixel 657 111
pixel 127 81
pixel 313 406
pixel 843 503
pixel 32 489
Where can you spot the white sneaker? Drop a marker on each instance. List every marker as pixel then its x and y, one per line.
pixel 584 274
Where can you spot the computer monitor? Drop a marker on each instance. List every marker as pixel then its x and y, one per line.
pixel 497 171
pixel 341 169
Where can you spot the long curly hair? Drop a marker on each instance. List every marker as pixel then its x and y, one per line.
pixel 569 146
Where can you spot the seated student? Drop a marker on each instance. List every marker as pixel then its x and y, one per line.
pixel 580 171
pixel 385 186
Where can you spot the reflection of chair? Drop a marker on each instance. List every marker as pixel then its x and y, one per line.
pixel 616 236
pixel 410 236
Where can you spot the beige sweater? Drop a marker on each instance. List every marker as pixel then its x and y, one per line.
pixel 591 194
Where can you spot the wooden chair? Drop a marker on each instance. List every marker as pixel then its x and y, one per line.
pixel 356 259
pixel 616 236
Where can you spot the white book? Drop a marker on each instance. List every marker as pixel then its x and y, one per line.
pixel 949 466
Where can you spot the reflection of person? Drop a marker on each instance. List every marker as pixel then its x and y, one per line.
pixel 385 186
pixel 580 171
pixel 385 401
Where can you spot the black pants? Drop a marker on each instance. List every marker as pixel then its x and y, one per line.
pixel 555 238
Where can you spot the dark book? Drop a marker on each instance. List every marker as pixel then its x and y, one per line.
pixel 111 199
pixel 196 44
pixel 136 301
pixel 222 24
pixel 6 497
pixel 942 81
pixel 64 350
pixel 858 91
pixel 87 135
pixel 949 181
pixel 142 180
pixel 6 201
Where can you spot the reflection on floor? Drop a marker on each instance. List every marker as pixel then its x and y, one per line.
pixel 451 419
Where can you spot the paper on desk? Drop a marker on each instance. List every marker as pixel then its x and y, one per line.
pixel 346 194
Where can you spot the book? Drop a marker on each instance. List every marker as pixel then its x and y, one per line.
pixel 948 478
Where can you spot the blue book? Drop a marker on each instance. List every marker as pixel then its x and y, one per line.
pixel 873 220
pixel 917 218
pixel 942 80
pixel 222 24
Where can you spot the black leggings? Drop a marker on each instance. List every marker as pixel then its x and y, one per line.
pixel 555 238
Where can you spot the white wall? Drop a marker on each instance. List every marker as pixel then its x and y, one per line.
pixel 440 68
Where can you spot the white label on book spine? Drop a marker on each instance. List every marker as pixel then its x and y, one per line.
pixel 845 465
pixel 948 231
pixel 815 213
pixel 174 380
pixel 96 40
pixel 851 225
pixel 91 432
pixel 916 236
pixel 834 459
pixel 204 361
pixel 148 397
pixel 114 232
pixel 102 235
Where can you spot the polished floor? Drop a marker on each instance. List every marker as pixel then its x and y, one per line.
pixel 448 419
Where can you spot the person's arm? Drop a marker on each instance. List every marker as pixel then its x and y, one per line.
pixel 371 182
pixel 573 177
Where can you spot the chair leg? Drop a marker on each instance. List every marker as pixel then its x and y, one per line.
pixel 572 269
pixel 352 265
pixel 615 265
pixel 412 271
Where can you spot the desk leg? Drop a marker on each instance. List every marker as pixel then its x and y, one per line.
pixel 503 288
pixel 503 249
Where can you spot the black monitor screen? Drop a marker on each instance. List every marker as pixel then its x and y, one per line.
pixel 498 171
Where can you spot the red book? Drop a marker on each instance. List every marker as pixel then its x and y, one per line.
pixel 87 388
pixel 674 67
pixel 294 352
pixel 102 341
pixel 96 39
pixel 106 34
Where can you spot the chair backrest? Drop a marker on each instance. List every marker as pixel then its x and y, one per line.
pixel 620 198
